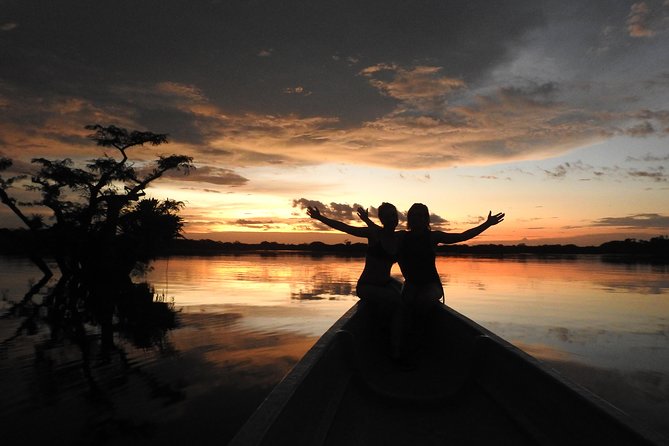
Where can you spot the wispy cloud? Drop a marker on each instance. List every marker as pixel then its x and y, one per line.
pixel 181 91
pixel 257 224
pixel 649 158
pixel 587 172
pixel 562 170
pixel 637 20
pixel 658 174
pixel 299 90
pixel 211 191
pixel 641 129
pixel 648 19
pixel 417 86
pixel 211 175
pixel 637 221
pixel 559 171
pixel 9 26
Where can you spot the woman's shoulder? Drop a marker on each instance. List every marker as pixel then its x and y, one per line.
pixel 442 237
pixel 373 233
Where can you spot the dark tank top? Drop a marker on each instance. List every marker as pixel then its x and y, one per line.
pixel 416 258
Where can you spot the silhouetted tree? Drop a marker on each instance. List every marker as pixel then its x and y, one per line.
pixel 100 227
pixel 97 210
pixel 149 224
pixel 33 223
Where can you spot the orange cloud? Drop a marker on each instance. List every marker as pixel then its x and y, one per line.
pixel 426 129
pixel 182 91
pixel 413 85
pixel 637 25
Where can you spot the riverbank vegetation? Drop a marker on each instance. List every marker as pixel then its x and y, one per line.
pixel 654 249
pixel 94 221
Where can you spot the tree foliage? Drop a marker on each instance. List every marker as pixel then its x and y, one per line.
pixel 98 226
pixel 100 221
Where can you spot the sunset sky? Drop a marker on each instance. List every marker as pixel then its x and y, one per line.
pixel 555 112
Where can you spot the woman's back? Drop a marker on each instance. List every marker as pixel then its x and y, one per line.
pixel 416 257
pixel 381 255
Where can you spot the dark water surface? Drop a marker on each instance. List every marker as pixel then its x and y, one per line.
pixel 245 320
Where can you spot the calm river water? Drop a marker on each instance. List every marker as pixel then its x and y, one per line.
pixel 245 320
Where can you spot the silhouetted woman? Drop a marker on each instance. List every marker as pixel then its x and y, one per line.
pixel 416 257
pixel 375 283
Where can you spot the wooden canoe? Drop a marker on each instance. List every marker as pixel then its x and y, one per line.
pixel 466 386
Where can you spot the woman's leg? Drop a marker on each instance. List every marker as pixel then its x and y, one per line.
pixel 386 302
pixel 416 303
pixel 384 296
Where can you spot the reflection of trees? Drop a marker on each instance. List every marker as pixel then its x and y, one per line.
pixel 323 286
pixel 87 336
pixel 99 229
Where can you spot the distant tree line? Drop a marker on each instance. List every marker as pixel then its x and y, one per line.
pixel 655 249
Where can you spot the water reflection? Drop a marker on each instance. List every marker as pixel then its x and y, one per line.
pixel 255 280
pixel 65 348
pixel 243 321
pixel 121 370
pixel 323 288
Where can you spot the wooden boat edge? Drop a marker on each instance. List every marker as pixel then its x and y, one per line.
pixel 259 424
pixel 614 413
pixel 256 427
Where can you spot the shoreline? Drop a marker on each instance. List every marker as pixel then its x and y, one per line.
pixel 655 250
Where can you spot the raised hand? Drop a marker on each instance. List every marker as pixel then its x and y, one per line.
pixel 313 212
pixel 494 219
pixel 364 216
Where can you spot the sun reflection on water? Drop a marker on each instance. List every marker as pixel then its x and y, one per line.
pixel 245 320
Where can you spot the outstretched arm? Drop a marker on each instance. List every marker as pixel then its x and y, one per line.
pixel 445 237
pixel 355 231
pixel 364 216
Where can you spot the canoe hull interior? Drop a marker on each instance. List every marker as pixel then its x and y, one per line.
pixel 464 385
